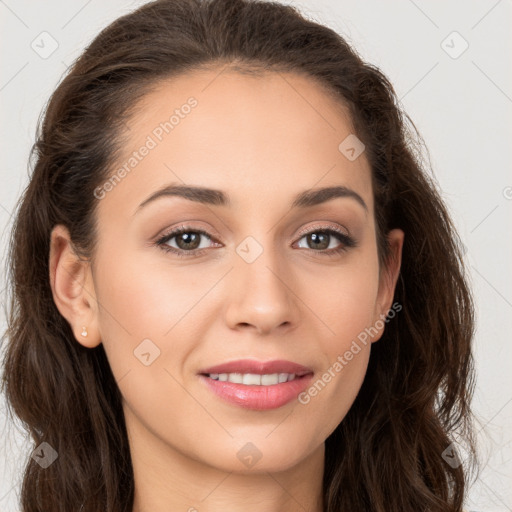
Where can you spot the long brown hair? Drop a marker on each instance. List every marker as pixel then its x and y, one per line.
pixel 387 453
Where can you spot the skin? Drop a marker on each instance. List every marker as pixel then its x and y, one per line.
pixel 262 140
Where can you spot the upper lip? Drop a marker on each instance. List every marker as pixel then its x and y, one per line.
pixel 258 367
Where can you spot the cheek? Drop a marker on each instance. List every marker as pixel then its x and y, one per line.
pixel 344 299
pixel 144 298
pixel 135 304
pixel 346 307
pixel 143 328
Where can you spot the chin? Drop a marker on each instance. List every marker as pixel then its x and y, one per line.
pixel 273 454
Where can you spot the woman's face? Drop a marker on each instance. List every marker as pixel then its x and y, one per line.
pixel 264 283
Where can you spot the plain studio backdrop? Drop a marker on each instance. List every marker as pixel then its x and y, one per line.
pixel 450 66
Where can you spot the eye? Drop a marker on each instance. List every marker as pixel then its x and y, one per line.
pixel 320 240
pixel 188 240
pixel 189 244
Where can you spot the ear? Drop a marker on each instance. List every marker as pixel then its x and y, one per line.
pixel 73 287
pixel 387 281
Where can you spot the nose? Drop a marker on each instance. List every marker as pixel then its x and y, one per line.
pixel 261 295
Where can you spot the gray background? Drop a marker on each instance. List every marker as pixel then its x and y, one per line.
pixel 460 101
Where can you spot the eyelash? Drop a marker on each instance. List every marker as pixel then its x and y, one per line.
pixel 347 241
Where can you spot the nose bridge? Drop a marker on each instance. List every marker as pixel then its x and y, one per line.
pixel 260 292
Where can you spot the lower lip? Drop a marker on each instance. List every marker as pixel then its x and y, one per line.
pixel 259 398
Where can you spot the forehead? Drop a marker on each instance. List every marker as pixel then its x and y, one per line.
pixel 263 136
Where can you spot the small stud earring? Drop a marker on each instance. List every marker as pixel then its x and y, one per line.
pixel 84 332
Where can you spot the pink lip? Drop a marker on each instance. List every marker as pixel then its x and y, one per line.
pixel 259 398
pixel 258 367
pixel 255 397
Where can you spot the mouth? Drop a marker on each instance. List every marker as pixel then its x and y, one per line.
pixel 257 385
pixel 254 379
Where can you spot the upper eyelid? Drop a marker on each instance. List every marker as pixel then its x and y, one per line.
pixel 334 227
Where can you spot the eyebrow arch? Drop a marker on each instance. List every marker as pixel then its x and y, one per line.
pixel 214 197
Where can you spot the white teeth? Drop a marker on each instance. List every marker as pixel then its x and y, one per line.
pixel 237 378
pixel 253 379
pixel 268 380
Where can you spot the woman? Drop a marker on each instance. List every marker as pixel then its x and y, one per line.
pixel 234 283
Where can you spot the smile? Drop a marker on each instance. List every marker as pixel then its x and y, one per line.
pixel 253 379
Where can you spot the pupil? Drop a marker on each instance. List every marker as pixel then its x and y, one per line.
pixel 188 240
pixel 316 237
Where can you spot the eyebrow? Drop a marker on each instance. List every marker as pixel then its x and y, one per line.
pixel 214 197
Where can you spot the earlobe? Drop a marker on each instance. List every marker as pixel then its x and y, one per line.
pixel 388 278
pixel 72 288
